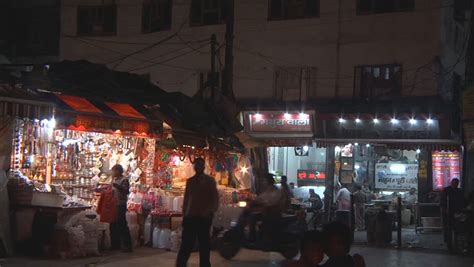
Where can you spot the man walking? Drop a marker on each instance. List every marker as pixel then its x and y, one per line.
pixel 359 199
pixel 201 201
pixel 452 202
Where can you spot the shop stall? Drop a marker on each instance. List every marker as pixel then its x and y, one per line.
pixel 287 137
pixel 17 105
pixel 412 157
pixel 59 165
pixel 159 200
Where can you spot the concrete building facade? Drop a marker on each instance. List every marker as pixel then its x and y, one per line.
pixel 288 50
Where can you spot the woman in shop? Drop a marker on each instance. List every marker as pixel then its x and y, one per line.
pixel 119 232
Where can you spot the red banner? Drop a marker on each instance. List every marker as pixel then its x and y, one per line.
pixel 446 166
pixel 310 177
pixel 97 123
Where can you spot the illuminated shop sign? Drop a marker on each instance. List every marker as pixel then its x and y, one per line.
pixel 310 177
pixel 279 122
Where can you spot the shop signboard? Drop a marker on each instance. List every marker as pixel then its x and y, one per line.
pixel 446 166
pixel 99 124
pixel 311 177
pixel 384 129
pixel 396 176
pixel 279 122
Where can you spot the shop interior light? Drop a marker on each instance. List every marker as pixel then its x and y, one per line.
pixel 358 120
pixel 305 148
pixel 242 204
pixel 356 144
pixel 412 121
pixel 394 121
pixel 368 145
pixel 357 166
pixel 398 168
pixel 418 151
pixel 342 120
pixel 244 169
pixel 337 149
pixel 429 121
pixel 376 121
pixel 287 116
pixel 258 116
pixel 304 116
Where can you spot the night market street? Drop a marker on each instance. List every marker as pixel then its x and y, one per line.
pixel 234 133
pixel 145 257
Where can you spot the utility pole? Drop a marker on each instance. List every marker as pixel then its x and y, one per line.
pixel 338 47
pixel 227 82
pixel 212 77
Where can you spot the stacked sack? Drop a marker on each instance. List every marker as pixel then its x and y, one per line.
pixel 92 235
pixel 76 239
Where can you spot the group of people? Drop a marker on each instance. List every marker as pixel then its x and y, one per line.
pixel 334 241
pixel 363 195
pixel 201 202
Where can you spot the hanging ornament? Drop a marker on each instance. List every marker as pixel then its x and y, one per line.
pixel 192 158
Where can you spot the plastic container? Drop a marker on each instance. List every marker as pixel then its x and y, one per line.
pixel 132 218
pixel 147 230
pixel 165 239
pixel 165 202
pixel 156 237
pixel 175 241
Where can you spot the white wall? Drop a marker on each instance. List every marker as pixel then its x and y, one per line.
pixel 292 163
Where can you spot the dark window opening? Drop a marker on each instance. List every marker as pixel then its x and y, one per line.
pixel 365 7
pixel 97 20
pixel 156 15
pixel 207 12
pixel 378 82
pixel 292 9
pixel 30 31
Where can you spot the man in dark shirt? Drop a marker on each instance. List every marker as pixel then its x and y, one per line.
pixel 119 232
pixel 452 202
pixel 201 201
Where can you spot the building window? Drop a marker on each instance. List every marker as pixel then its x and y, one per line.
pixel 31 31
pixel 207 12
pixel 292 9
pixel 378 82
pixel 156 15
pixel 366 7
pixel 97 20
pixel 295 83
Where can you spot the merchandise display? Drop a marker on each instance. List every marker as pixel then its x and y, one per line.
pixel 71 168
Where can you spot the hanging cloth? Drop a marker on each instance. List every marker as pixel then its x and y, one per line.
pixel 107 206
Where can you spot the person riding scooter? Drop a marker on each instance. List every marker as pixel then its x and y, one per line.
pixel 267 207
pixel 274 233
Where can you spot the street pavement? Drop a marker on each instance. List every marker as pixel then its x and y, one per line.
pixel 150 257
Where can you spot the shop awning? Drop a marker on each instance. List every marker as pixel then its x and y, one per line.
pixel 404 144
pixel 252 142
pixel 81 113
pixel 20 103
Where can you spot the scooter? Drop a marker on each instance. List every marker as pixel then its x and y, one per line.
pixel 279 237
